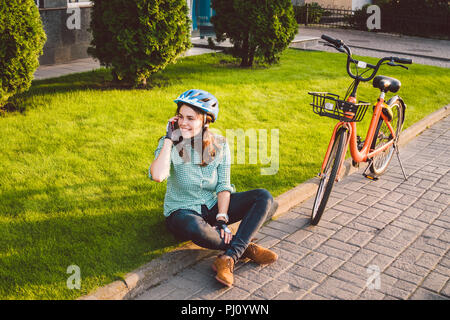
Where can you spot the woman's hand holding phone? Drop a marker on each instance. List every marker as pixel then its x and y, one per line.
pixel 172 130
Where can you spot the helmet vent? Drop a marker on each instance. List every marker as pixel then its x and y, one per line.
pixel 205 100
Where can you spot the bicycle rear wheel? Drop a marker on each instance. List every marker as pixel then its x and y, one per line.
pixel 328 176
pixel 383 135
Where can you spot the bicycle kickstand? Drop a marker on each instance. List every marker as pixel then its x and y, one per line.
pixel 400 161
pixel 369 176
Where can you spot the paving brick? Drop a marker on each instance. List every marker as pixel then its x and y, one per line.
pixel 428 260
pixel 291 247
pixel 405 286
pixel 271 289
pixel 158 292
pixel 412 212
pixel 267 230
pixel 369 294
pixel 344 234
pixel 428 217
pixel 282 226
pixel 435 232
pixel 443 198
pixel 332 287
pixel 234 293
pixel 251 274
pixel 423 294
pixel 446 290
pixel 430 245
pixel 401 204
pixel 342 245
pixel 290 295
pixel 329 265
pixel 435 282
pixel 313 241
pixel 272 270
pixel 343 219
pixel 307 273
pixel 311 260
pixel 382 261
pixel 245 284
pixel 430 195
pixel 293 219
pixel 289 255
pixel 394 292
pixel 354 278
pixel 409 224
pixel 389 232
pixel 396 245
pixel 371 213
pixel 444 236
pixel 386 217
pixel 429 205
pixel 337 253
pixel 368 200
pixel 403 275
pixel 297 281
pixel 313 296
pixel 299 236
pixel 363 257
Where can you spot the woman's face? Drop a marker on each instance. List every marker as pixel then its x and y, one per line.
pixel 189 121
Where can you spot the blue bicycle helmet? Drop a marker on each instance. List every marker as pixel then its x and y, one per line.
pixel 200 99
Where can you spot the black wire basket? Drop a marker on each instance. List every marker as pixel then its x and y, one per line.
pixel 329 105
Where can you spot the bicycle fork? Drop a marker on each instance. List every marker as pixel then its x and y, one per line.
pixel 330 147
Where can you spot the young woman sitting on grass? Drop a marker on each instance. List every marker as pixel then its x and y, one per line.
pixel 200 201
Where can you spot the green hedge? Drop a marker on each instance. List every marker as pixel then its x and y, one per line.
pixel 137 38
pixel 22 38
pixel 315 13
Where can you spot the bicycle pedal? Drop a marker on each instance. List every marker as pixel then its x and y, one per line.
pixel 355 164
pixel 370 177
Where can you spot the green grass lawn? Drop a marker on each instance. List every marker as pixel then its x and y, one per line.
pixel 73 175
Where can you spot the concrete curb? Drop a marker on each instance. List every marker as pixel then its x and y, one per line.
pixel 169 264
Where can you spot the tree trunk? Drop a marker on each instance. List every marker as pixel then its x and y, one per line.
pixel 244 52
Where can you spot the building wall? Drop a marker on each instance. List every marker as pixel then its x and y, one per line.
pixel 65 43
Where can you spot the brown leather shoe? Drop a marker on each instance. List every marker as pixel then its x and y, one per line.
pixel 224 266
pixel 259 254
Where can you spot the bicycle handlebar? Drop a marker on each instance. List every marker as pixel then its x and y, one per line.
pixel 331 40
pixel 342 47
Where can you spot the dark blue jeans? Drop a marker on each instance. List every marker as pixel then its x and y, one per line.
pixel 253 207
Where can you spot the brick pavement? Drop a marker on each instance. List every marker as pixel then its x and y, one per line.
pixel 399 230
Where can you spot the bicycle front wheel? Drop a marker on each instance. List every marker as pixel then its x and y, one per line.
pixel 383 135
pixel 328 176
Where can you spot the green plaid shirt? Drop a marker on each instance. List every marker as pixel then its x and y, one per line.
pixel 189 185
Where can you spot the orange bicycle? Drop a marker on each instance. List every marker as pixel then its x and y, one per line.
pixel 384 130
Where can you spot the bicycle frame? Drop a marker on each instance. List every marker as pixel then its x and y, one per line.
pixel 366 152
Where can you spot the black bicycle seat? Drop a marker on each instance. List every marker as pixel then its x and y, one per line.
pixel 386 84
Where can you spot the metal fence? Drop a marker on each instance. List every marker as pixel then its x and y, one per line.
pixel 432 24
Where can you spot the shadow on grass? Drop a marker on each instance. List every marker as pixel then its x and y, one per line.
pixel 192 68
pixel 106 236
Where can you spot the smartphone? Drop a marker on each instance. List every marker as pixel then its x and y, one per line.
pixel 175 125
